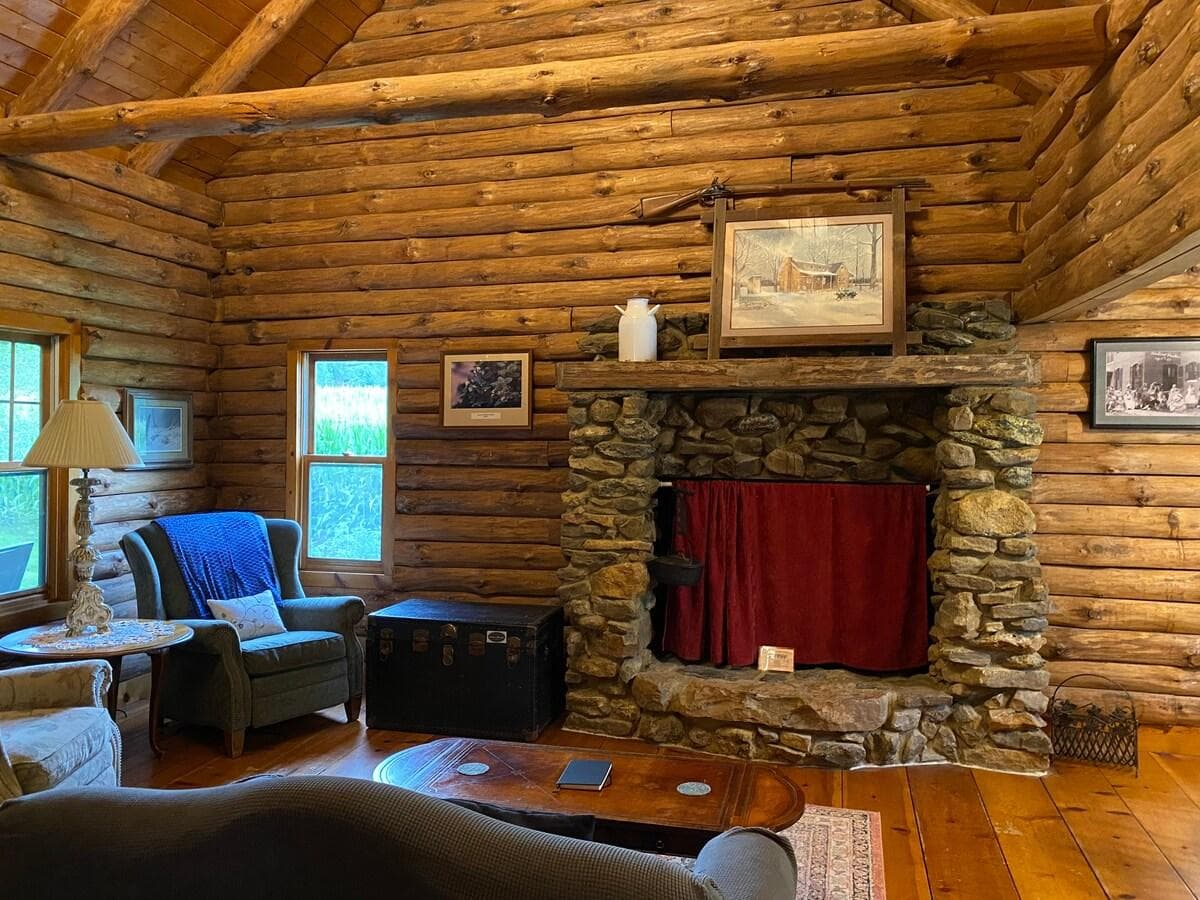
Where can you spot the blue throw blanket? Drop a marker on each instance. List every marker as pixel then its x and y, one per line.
pixel 222 556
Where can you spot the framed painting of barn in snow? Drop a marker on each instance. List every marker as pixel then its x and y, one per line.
pixel 808 279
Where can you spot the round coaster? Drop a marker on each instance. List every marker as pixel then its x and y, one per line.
pixel 472 768
pixel 693 789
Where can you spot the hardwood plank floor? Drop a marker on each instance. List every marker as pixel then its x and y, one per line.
pixel 1081 833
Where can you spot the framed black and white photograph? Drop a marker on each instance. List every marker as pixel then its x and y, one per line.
pixel 1149 384
pixel 160 426
pixel 487 390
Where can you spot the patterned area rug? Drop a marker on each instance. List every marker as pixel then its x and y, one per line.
pixel 839 853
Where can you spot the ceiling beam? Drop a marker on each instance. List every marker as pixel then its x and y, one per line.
pixel 964 9
pixel 952 48
pixel 229 70
pixel 77 57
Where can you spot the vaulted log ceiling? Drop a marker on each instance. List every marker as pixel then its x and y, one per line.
pixel 77 53
pixel 161 49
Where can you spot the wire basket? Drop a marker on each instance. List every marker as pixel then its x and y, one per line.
pixel 1092 734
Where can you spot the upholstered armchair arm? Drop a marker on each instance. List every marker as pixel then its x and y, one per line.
pixel 213 636
pixel 338 614
pixel 749 864
pixel 55 686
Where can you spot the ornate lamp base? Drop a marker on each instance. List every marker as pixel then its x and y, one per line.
pixel 88 609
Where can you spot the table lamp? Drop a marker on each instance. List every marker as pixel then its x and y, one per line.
pixel 84 434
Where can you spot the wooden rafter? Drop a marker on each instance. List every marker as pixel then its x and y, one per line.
pixel 952 48
pixel 266 30
pixel 77 56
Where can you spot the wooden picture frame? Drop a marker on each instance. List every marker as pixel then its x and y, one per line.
pixel 764 295
pixel 1146 384
pixel 477 390
pixel 160 424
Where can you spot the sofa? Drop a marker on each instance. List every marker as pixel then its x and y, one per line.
pixel 55 730
pixel 326 837
pixel 217 680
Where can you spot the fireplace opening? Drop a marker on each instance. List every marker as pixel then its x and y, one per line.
pixel 836 572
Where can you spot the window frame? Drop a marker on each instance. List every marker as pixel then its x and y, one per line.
pixel 62 342
pixel 301 374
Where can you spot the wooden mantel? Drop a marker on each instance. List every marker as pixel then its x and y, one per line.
pixel 806 373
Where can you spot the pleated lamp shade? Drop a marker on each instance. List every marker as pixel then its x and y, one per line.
pixel 83 434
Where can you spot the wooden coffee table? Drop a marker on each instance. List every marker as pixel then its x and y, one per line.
pixel 641 809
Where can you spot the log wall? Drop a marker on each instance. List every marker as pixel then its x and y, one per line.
pixel 515 232
pixel 129 257
pixel 1119 517
pixel 1120 182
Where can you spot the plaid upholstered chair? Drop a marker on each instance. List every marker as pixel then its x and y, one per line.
pixel 55 729
pixel 216 679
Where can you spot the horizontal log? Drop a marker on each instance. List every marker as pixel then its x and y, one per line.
pixel 137 481
pixel 65 250
pixel 1123 459
pixel 485 529
pixel 234 474
pixel 1057 396
pixel 1152 709
pixel 1122 552
pixel 783 374
pixel 525 582
pixel 459 503
pixel 97 312
pixel 446 324
pixel 482 478
pixel 484 556
pixel 958 48
pixel 545 426
pixel 1142 678
pixel 592 292
pixel 265 500
pixel 1074 429
pixel 151 505
pixel 267 452
pixel 383 58
pixel 1076 336
pixel 481 452
pixel 1064 366
pixel 249 427
pixel 560 267
pixel 19 206
pixel 611 238
pixel 1122 646
pixel 143 374
pixel 1125 615
pixel 103 343
pixel 1118 521
pixel 83 196
pixel 120 179
pixel 1118 490
pixel 1178 586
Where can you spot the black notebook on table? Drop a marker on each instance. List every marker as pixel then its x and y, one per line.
pixel 586 775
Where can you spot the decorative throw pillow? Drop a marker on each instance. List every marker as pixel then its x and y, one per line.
pixel 254 616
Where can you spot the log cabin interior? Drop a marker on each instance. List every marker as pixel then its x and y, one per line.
pixel 858 547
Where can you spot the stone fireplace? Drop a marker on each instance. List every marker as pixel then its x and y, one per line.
pixel 961 423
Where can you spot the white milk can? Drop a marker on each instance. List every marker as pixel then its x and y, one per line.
pixel 638 331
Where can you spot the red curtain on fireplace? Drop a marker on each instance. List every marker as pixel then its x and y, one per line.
pixel 836 571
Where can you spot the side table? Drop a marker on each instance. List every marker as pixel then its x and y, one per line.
pixel 49 643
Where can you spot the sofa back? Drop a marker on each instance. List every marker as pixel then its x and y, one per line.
pixel 310 836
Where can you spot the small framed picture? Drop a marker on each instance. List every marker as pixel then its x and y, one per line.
pixel 1150 384
pixel 160 425
pixel 487 390
pixel 808 277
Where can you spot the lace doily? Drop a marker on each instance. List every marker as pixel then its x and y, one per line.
pixel 122 634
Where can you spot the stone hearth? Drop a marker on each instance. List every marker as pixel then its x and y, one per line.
pixel 981 701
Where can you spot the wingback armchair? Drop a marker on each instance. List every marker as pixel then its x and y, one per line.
pixel 217 680
pixel 55 729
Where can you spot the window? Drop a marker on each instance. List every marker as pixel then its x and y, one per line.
pixel 26 386
pixel 342 484
pixel 39 365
